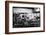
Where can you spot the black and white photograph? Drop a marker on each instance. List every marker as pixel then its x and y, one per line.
pixel 26 17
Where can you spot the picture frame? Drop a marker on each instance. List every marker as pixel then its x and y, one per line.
pixel 20 8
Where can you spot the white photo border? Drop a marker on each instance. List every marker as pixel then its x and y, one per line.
pixel 24 29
